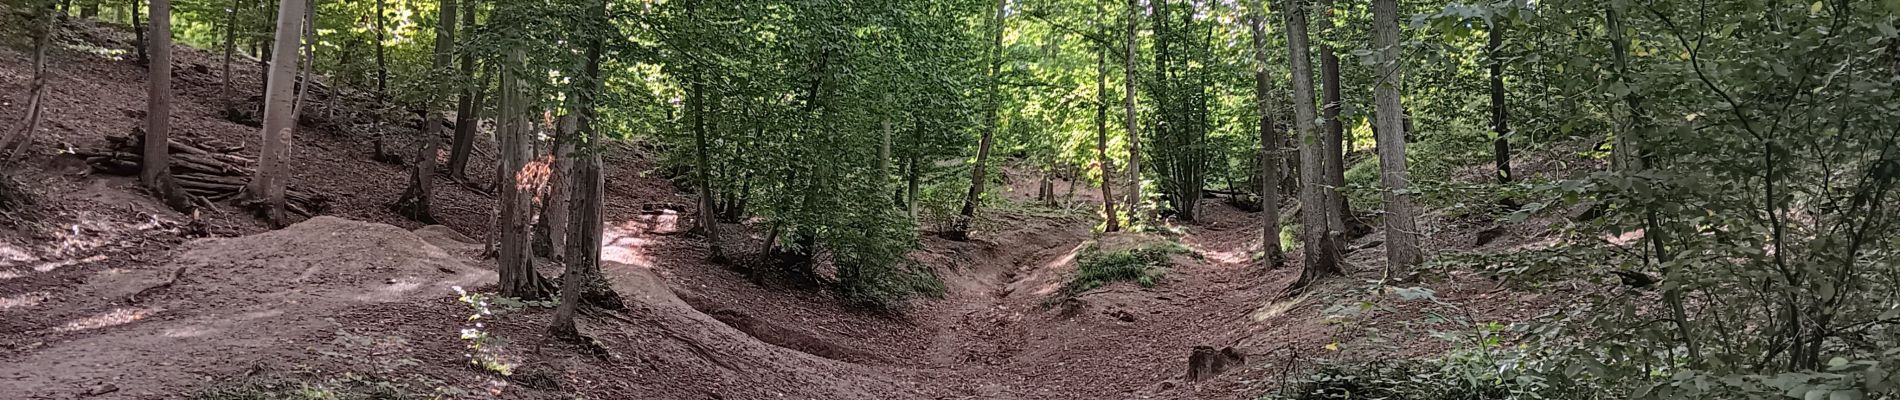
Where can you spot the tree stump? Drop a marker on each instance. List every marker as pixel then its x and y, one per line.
pixel 1207 363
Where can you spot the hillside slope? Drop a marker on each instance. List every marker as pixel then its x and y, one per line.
pixel 111 295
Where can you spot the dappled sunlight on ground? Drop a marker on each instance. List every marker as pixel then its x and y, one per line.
pixel 115 317
pixel 1280 306
pixel 188 332
pixel 52 265
pixel 1236 257
pixel 11 255
pixel 23 300
pixel 1052 285
pixel 626 242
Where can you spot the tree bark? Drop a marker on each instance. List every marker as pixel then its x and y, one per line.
pixel 1128 112
pixel 961 229
pixel 1320 256
pixel 1112 223
pixel 708 221
pixel 1335 129
pixel 1501 145
pixel 382 66
pixel 416 201
pixel 1270 147
pixel 309 64
pixel 230 47
pixel 468 106
pixel 36 102
pixel 273 172
pixel 581 277
pixel 155 171
pixel 551 229
pixel 138 34
pixel 1401 231
pixel 518 278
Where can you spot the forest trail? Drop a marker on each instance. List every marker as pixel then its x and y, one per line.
pixel 364 298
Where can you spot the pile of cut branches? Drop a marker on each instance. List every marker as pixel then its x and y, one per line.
pixel 216 173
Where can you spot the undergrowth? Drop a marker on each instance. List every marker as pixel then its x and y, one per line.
pixel 1144 265
pixel 346 387
pixel 889 288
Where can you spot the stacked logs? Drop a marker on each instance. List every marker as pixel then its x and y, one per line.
pixel 214 173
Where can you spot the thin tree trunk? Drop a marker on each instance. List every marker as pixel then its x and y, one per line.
pixel 703 168
pixel 382 66
pixel 1128 112
pixel 518 278
pixel 309 64
pixel 1401 231
pixel 273 171
pixel 1320 256
pixel 1626 154
pixel 1500 146
pixel 1335 129
pixel 468 106
pixel 230 47
pixel 586 226
pixel 911 178
pixel 155 170
pixel 884 151
pixel 961 229
pixel 36 102
pixel 138 34
pixel 1112 222
pixel 1270 149
pixel 416 201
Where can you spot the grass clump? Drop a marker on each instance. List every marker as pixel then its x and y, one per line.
pixel 1144 265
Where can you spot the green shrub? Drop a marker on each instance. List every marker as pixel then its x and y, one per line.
pixel 1144 265
pixel 888 288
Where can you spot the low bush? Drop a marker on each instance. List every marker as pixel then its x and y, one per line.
pixel 1144 265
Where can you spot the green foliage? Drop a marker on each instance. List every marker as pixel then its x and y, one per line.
pixel 1144 265
pixel 892 287
pixel 299 387
pixel 477 338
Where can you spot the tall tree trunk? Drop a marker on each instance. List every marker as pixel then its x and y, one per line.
pixel 230 47
pixel 155 170
pixel 417 199
pixel 1270 146
pixel 1128 111
pixel 1500 146
pixel 518 278
pixel 708 221
pixel 309 64
pixel 550 232
pixel 1334 138
pixel 961 229
pixel 468 106
pixel 273 171
pixel 138 34
pixel 1112 223
pixel 22 136
pixel 1401 231
pixel 1321 257
pixel 582 278
pixel 382 66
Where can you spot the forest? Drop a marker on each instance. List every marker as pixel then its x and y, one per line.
pixel 1009 199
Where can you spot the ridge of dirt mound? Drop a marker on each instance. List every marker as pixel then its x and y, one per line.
pixel 229 303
